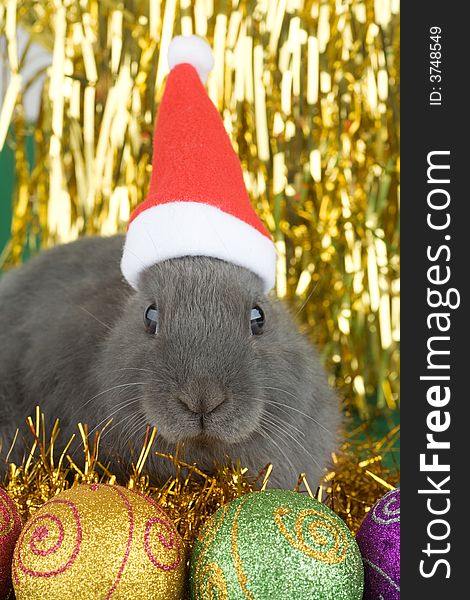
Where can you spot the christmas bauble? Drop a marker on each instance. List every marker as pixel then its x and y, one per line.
pixel 274 545
pixel 10 527
pixel 379 541
pixel 99 541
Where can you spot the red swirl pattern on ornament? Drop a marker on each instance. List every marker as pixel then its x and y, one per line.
pixel 42 532
pixel 151 501
pixel 130 513
pixel 169 543
pixel 172 543
pixel 38 533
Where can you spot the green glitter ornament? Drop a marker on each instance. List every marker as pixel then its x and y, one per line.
pixel 276 545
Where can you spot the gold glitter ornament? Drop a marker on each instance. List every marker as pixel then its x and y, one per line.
pixel 276 544
pixel 99 541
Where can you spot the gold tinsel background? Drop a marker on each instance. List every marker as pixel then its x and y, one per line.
pixel 309 92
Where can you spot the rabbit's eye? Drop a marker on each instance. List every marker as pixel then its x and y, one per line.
pixel 257 320
pixel 151 319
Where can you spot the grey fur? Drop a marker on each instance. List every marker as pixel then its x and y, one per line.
pixel 72 339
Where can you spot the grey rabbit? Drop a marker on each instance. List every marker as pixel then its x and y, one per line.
pixel 198 350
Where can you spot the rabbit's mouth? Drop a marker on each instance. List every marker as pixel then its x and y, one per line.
pixel 218 429
pixel 214 428
pixel 222 421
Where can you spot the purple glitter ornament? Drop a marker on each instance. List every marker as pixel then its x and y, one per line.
pixel 379 541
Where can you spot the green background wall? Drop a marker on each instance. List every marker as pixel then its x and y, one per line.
pixel 6 190
pixel 7 181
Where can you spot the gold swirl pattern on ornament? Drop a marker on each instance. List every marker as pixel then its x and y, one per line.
pixel 241 575
pixel 213 584
pixel 324 530
pixel 205 540
pixel 7 518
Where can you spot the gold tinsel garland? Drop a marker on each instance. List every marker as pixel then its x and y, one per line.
pixel 190 496
pixel 308 90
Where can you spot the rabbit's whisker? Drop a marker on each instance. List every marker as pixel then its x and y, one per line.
pixel 127 419
pixel 138 425
pixel 307 299
pixel 282 407
pixel 284 424
pixel 293 408
pixel 115 387
pixel 135 369
pixel 124 405
pixel 264 432
pixel 283 432
pixel 267 387
pixel 93 316
pixel 126 433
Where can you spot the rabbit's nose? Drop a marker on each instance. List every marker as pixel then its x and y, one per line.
pixel 203 396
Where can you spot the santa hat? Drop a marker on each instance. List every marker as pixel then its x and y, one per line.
pixel 197 204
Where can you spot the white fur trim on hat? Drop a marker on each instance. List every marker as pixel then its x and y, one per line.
pixel 192 50
pixel 179 229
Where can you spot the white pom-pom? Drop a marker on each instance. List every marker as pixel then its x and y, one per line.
pixel 193 50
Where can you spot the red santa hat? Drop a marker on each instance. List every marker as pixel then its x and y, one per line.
pixel 197 204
